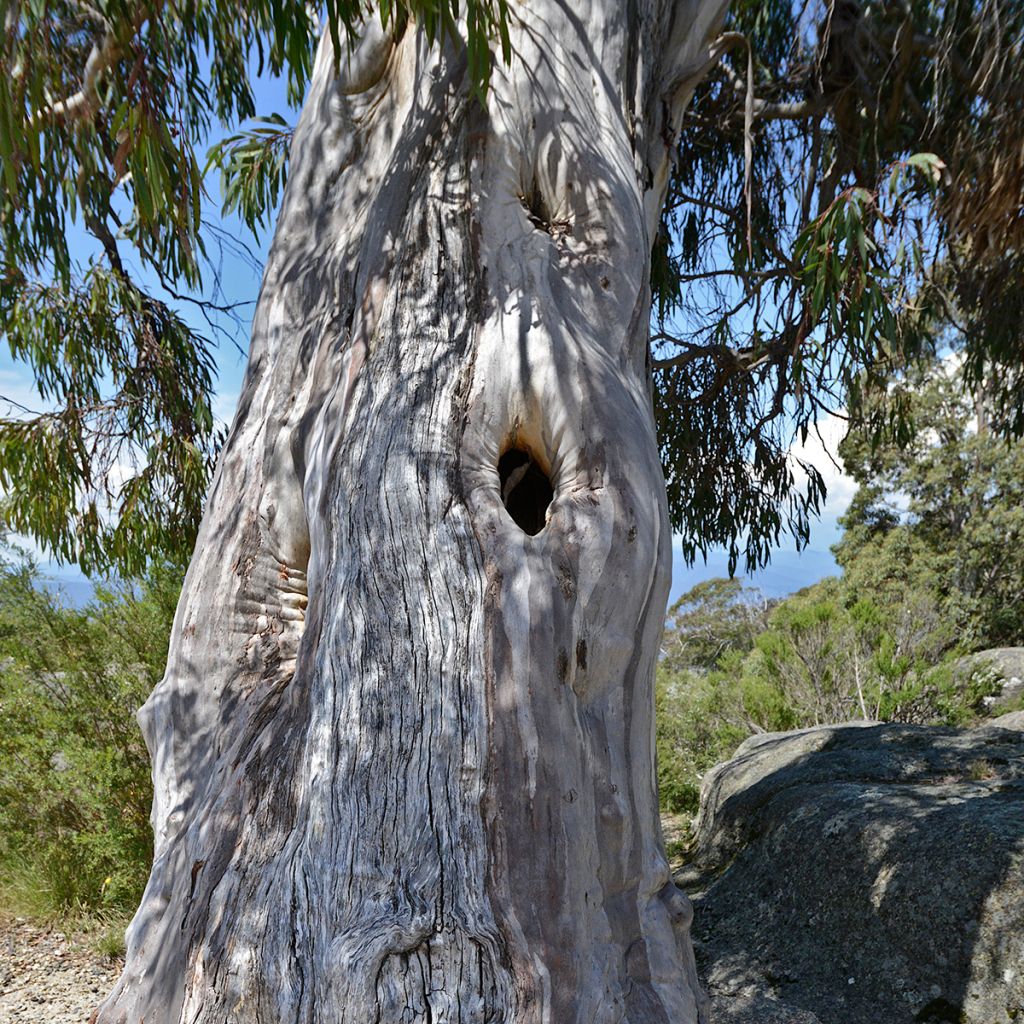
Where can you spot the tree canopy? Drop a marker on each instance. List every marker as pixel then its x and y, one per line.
pixel 848 176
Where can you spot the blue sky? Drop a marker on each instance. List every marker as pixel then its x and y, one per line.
pixel 239 278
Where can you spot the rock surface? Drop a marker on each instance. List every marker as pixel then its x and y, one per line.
pixel 44 977
pixel 1011 720
pixel 864 875
pixel 1008 663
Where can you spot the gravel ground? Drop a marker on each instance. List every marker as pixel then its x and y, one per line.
pixel 47 979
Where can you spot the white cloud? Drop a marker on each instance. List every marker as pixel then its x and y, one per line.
pixel 821 450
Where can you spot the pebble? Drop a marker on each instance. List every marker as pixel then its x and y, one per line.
pixel 47 978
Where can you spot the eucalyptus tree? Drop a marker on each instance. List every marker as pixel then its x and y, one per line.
pixel 403 748
pixel 402 751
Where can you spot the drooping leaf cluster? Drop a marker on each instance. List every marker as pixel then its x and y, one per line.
pixel 124 376
pixel 254 167
pixel 884 192
pixel 106 245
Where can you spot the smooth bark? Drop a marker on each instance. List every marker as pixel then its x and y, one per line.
pixel 403 751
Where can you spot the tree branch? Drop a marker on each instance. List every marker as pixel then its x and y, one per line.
pixel 103 56
pixel 765 111
pixel 84 103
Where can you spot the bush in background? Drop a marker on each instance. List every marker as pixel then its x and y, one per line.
pixel 699 716
pixel 824 655
pixel 75 787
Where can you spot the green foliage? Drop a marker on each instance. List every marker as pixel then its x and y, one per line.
pixel 831 654
pixel 125 376
pixel 943 512
pixel 699 717
pixel 932 554
pixel 105 109
pixel 75 789
pixel 698 722
pixel 253 166
pixel 108 941
pixel 827 654
pixel 882 190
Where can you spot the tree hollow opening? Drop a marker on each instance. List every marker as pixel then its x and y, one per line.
pixel 536 208
pixel 526 491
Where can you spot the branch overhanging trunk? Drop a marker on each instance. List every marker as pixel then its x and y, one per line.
pixel 403 751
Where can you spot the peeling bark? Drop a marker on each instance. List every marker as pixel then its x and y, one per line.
pixel 403 751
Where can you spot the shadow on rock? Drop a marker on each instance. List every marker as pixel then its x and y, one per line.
pixel 864 874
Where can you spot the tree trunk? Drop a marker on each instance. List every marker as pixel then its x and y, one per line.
pixel 427 795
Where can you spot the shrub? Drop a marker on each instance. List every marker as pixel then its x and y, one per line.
pixel 697 726
pixel 824 655
pixel 75 788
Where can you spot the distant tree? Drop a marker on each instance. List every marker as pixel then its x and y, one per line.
pixel 700 719
pixel 942 512
pixel 931 571
pixel 714 618
pixel 833 652
pixel 708 632
pixel 804 657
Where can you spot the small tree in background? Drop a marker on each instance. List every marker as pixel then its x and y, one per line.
pixel 943 513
